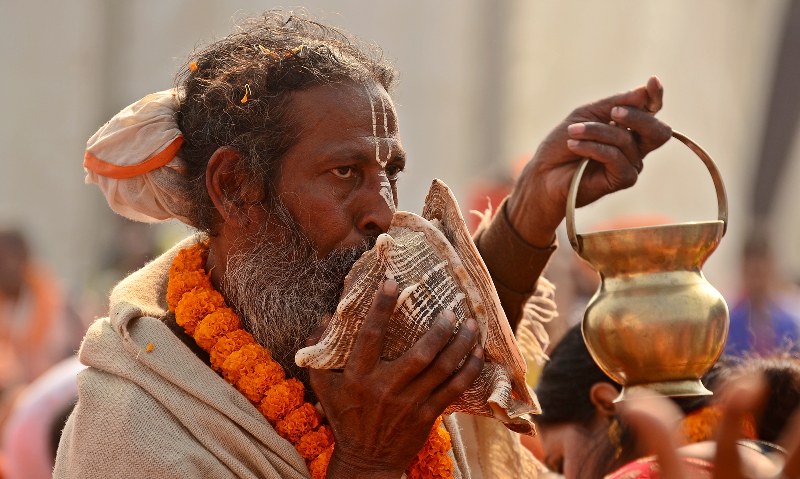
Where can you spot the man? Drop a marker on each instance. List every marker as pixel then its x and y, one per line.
pixel 288 156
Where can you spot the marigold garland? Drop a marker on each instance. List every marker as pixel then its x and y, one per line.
pixel 201 311
pixel 701 425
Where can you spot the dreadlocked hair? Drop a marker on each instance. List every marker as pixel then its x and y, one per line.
pixel 237 93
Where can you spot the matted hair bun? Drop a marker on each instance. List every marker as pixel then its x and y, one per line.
pixel 134 160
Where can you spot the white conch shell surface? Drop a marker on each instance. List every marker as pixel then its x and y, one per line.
pixel 437 266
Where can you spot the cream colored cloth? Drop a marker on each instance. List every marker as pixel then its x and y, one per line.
pixel 167 414
pixel 134 160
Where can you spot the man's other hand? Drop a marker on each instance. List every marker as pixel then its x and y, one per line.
pixel 381 411
pixel 616 132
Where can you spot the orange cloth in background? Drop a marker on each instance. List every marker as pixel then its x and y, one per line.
pixel 31 333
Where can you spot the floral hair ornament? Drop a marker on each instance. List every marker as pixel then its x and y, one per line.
pixel 134 160
pixel 247 93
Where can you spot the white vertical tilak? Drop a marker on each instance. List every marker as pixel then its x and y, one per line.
pixel 385 184
pixel 385 134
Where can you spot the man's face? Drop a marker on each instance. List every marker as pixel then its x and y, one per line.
pixel 335 194
pixel 339 180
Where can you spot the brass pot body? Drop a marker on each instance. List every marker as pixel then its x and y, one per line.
pixel 655 322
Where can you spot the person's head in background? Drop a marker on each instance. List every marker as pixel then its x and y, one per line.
pixel 781 372
pixel 578 424
pixel 582 435
pixel 757 268
pixel 14 256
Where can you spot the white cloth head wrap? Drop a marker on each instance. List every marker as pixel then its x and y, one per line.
pixel 133 159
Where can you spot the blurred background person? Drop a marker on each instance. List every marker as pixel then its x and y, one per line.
pixel 584 434
pixel 33 428
pixel 781 373
pixel 37 325
pixel 759 322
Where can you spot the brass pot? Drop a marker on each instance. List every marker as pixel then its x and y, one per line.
pixel 654 322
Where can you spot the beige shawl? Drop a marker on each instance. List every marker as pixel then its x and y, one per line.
pixel 166 414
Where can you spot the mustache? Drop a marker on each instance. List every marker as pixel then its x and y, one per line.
pixel 282 287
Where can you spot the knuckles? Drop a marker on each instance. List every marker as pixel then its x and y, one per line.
pixel 417 359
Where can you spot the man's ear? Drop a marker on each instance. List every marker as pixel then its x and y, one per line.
pixel 602 395
pixel 230 187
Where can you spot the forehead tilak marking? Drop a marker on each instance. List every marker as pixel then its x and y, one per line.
pixel 385 133
pixel 374 126
pixel 385 185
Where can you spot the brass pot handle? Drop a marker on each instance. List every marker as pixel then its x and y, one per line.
pixel 722 198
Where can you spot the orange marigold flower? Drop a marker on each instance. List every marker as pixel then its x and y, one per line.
pixel 214 326
pixel 432 460
pixel 202 312
pixel 748 427
pixel 192 258
pixel 313 443
pixel 195 305
pixel 282 398
pixel 255 383
pixel 319 466
pixel 700 425
pixel 298 422
pixel 227 344
pixel 243 361
pixel 181 283
pixel 438 465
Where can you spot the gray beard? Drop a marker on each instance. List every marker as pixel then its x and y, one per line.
pixel 282 290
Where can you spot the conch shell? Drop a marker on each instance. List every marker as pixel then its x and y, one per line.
pixel 437 266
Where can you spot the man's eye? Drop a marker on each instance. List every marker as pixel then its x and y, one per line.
pixel 344 172
pixel 393 171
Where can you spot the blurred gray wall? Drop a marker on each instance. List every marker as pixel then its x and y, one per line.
pixel 481 83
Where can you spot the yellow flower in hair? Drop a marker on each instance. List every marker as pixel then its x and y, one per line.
pixel 214 326
pixel 227 344
pixel 196 305
pixel 282 398
pixel 247 93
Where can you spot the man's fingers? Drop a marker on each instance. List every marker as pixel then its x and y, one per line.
pixel 739 399
pixel 323 380
pixel 648 97
pixel 792 442
pixel 655 95
pixel 423 352
pixel 452 356
pixel 617 172
pixel 650 132
pixel 369 342
pixel 459 382
pixel 653 421
pixel 609 134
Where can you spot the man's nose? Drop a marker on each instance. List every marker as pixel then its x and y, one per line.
pixel 376 213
